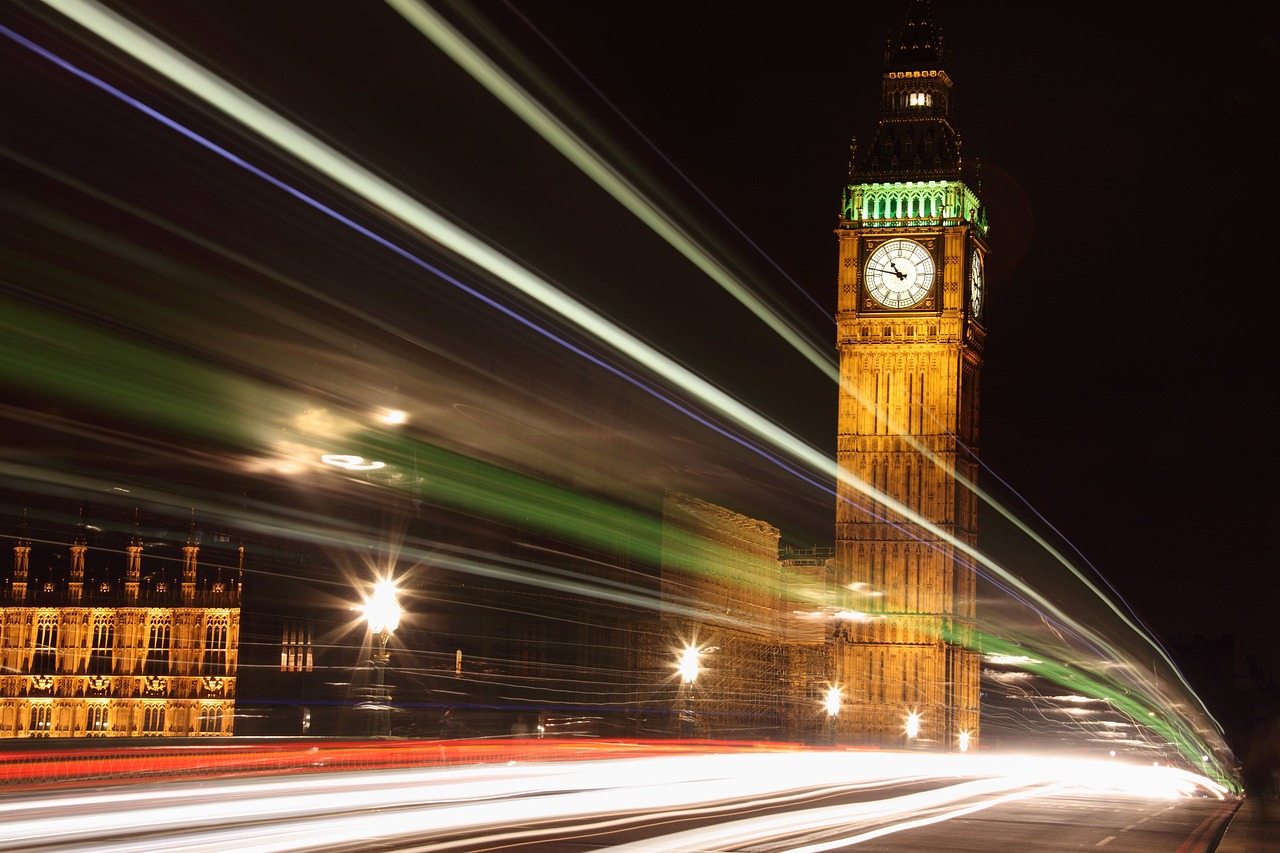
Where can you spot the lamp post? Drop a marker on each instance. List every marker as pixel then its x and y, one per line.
pixel 383 614
pixel 832 704
pixel 688 669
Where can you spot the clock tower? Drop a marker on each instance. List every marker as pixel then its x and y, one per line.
pixel 912 246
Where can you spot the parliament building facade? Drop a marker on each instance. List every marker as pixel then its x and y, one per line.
pixel 92 645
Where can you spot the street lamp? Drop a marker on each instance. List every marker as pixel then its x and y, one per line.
pixel 832 704
pixel 383 614
pixel 913 726
pixel 688 668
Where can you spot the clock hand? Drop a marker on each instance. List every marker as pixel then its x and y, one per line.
pixel 894 271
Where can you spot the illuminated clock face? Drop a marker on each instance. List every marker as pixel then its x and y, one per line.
pixel 899 273
pixel 975 284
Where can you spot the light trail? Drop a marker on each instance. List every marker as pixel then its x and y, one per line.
pixel 674 167
pixel 555 132
pixel 387 197
pixel 431 805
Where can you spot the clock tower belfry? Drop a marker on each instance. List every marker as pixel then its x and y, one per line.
pixel 912 245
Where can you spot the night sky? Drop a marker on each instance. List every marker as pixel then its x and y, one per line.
pixel 1128 391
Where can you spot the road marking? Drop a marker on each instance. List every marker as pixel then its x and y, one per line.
pixel 1106 840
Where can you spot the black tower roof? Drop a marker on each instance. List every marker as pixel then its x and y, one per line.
pixel 915 140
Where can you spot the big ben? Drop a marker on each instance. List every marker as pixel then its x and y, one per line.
pixel 912 248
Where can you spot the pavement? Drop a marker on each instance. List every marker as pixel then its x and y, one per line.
pixel 1255 827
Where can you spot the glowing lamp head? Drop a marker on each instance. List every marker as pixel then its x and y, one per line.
pixel 381 608
pixel 913 724
pixel 964 742
pixel 688 666
pixel 832 703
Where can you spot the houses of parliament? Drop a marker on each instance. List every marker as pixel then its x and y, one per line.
pixel 118 642
pixel 143 636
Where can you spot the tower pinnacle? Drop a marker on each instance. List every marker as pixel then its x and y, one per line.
pixel 920 45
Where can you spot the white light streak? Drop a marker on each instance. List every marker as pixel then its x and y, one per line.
pixel 351 463
pixel 331 809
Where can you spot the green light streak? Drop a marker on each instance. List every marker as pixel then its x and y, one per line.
pixel 51 356
pixel 1104 689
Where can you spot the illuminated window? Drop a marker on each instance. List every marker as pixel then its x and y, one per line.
pixel 153 720
pixel 96 724
pixel 104 634
pixel 920 99
pixel 44 659
pixel 41 720
pixel 157 662
pixel 215 647
pixel 295 647
pixel 211 720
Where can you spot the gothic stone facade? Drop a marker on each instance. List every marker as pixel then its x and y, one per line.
pixel 88 652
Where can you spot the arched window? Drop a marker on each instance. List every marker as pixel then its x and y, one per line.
pixel 44 659
pixel 295 648
pixel 97 722
pixel 211 720
pixel 157 662
pixel 215 647
pixel 104 640
pixel 41 720
pixel 153 720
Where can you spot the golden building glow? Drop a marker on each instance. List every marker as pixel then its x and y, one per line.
pixel 912 239
pixel 122 658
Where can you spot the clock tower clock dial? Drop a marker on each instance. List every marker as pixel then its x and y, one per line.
pixel 899 273
pixel 976 283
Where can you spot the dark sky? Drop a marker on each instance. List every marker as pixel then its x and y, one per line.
pixel 1128 391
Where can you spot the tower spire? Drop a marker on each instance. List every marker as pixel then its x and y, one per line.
pixel 190 552
pixel 920 43
pixel 75 583
pixel 133 571
pixel 21 560
pixel 915 139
